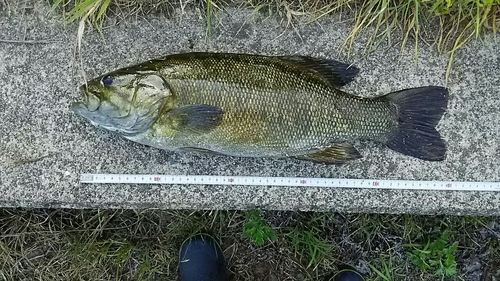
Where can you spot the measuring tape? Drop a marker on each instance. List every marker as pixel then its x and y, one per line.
pixel 289 181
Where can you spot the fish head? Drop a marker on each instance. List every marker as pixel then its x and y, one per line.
pixel 124 102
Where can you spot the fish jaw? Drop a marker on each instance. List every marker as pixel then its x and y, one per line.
pixel 91 100
pixel 88 107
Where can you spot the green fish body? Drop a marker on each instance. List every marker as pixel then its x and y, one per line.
pixel 260 106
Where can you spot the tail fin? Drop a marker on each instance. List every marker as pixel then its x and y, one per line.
pixel 420 110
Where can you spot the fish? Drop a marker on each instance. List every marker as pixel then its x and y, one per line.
pixel 249 105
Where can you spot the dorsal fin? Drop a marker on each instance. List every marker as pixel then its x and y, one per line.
pixel 336 73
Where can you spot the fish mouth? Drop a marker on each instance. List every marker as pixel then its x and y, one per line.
pixel 91 101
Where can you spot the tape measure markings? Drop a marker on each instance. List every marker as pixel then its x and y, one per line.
pixel 288 181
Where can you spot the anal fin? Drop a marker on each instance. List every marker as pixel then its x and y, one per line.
pixel 338 153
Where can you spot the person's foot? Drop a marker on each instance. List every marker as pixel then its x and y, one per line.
pixel 347 275
pixel 201 259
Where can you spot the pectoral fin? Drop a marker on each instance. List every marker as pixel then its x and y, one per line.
pixel 338 153
pixel 199 150
pixel 198 118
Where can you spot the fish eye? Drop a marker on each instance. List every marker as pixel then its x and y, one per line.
pixel 107 81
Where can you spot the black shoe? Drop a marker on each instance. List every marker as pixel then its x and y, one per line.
pixel 347 275
pixel 201 259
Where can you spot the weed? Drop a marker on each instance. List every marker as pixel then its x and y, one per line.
pixel 117 251
pixel 436 255
pixel 390 266
pixel 309 242
pixel 92 10
pixel 385 272
pixel 44 244
pixel 256 228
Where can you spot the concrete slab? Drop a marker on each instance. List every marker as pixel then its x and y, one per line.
pixel 45 146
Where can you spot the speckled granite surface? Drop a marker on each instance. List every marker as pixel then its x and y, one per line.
pixel 39 81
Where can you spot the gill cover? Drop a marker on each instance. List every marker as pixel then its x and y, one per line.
pixel 123 102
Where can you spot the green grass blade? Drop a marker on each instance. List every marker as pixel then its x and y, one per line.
pixel 82 10
pixel 209 17
pixel 102 9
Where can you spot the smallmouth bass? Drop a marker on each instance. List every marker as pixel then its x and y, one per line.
pixel 260 106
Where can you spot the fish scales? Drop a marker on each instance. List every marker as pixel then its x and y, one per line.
pixel 261 106
pixel 272 107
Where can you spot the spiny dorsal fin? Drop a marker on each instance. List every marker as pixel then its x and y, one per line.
pixel 336 73
pixel 338 153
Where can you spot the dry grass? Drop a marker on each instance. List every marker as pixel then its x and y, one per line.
pixel 449 24
pixel 121 244
pixel 143 245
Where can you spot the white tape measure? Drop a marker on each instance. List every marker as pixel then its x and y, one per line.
pixel 289 181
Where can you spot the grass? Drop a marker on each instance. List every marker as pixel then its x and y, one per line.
pixel 45 244
pixel 256 228
pixel 449 24
pixel 437 254
pixel 309 239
